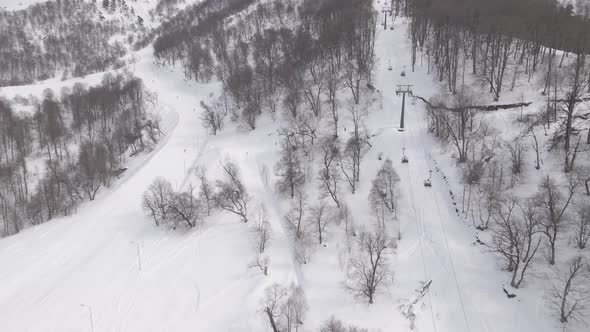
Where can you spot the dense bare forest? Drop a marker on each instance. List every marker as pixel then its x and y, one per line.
pixel 80 136
pixel 300 54
pixel 487 38
pixel 69 38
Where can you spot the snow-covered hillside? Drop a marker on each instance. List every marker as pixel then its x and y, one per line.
pixel 109 268
pixel 17 4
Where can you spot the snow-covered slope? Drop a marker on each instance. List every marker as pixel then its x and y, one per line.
pixel 90 258
pixel 200 280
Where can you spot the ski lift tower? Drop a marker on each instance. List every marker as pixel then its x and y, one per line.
pixel 403 90
pixel 385 11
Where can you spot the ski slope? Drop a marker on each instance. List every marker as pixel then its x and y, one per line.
pixel 200 281
pixel 89 258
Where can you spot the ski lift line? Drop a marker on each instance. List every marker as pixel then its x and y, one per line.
pixel 420 232
pixel 424 265
pixel 444 231
pixel 419 228
pixel 454 273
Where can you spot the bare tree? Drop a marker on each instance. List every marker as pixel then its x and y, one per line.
pixel 570 291
pixel 384 193
pixel 516 238
pixel 93 165
pixel 582 226
pixel 536 148
pixel 553 207
pixel 333 85
pixel 345 215
pixel 302 132
pixel 261 263
pixel 496 61
pixel 369 271
pixel 262 231
pixel 299 226
pixel 335 325
pixel 289 168
pixel 504 237
pixel 206 191
pixel 584 173
pixel 293 99
pixel 231 194
pixel 350 158
pixel 275 294
pixel 294 309
pixel 212 117
pixel 516 157
pixel 574 85
pixel 486 199
pixel 352 78
pixel 313 88
pixel 185 207
pixel 296 218
pixel 156 199
pixel 285 308
pixel 456 124
pixel 165 205
pixel 329 173
pixel 250 115
pixel 321 215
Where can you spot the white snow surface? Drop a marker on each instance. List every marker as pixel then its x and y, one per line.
pixel 17 4
pixel 199 280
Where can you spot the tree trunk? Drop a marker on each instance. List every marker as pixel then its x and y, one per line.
pixel 271 320
pixel 568 128
pixel 552 257
pixel 513 282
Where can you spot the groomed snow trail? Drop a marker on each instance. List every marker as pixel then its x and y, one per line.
pixel 196 280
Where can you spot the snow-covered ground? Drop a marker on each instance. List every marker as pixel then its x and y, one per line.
pixel 200 280
pixel 17 4
pixel 90 258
